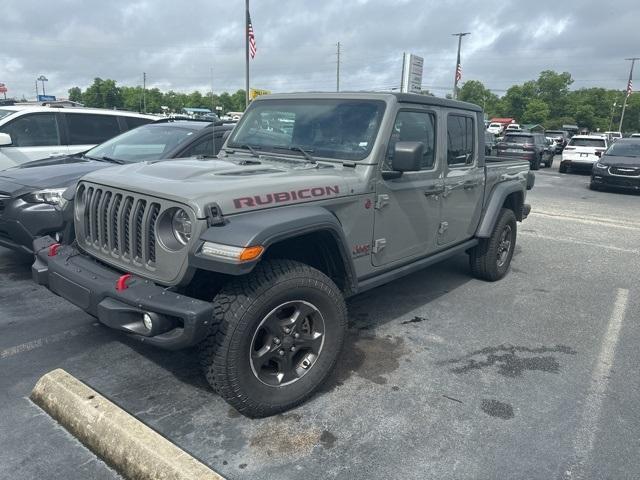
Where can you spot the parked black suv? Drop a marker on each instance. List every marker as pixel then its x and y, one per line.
pixel 527 146
pixel 560 139
pixel 32 195
pixel 619 166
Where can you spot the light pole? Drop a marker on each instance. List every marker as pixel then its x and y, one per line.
pixel 458 72
pixel 42 79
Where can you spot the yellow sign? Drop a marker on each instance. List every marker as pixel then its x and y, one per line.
pixel 256 92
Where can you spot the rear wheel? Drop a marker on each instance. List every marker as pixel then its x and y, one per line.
pixel 550 162
pixel 278 332
pixel 562 168
pixel 491 258
pixel 535 164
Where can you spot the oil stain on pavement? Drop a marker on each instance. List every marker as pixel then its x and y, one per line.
pixel 369 357
pixel 511 361
pixel 497 409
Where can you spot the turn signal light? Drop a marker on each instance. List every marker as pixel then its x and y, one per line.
pixel 251 253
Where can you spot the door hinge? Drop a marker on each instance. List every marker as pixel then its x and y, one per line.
pixel 379 244
pixel 382 201
pixel 444 226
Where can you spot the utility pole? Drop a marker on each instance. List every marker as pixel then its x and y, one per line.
pixel 404 58
pixel 338 70
pixel 144 92
pixel 458 73
pixel 37 91
pixel 629 89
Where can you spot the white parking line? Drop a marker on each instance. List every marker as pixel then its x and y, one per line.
pixel 40 342
pixel 579 242
pixel 588 220
pixel 586 435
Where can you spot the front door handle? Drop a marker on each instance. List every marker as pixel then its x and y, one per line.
pixel 434 191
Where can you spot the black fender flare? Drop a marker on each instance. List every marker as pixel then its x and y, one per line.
pixel 267 227
pixel 498 195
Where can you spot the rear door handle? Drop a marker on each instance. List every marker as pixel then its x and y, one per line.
pixel 434 191
pixel 469 184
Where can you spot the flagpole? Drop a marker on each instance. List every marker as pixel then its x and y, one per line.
pixel 624 105
pixel 246 52
pixel 455 74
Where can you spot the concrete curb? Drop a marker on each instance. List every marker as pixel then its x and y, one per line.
pixel 126 444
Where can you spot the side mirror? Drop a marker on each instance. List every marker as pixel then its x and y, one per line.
pixel 407 156
pixel 5 140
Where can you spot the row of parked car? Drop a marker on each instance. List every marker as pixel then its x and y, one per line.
pixel 612 160
pixel 48 150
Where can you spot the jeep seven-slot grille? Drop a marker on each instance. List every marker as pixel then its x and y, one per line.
pixel 119 224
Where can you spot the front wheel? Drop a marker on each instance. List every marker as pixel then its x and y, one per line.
pixel 278 333
pixel 491 258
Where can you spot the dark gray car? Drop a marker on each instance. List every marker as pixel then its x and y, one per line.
pixel 31 195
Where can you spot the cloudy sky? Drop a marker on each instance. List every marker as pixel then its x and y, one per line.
pixel 192 44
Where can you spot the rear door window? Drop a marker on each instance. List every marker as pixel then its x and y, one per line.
pixel 90 129
pixel 134 122
pixel 460 140
pixel 33 130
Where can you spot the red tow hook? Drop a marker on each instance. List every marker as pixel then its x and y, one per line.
pixel 53 249
pixel 121 283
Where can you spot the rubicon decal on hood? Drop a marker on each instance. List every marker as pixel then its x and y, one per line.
pixel 283 197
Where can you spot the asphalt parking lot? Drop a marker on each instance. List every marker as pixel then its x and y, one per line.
pixel 443 376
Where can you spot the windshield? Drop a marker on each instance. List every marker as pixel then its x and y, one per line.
pixel 142 143
pixel 4 112
pixel 624 149
pixel 587 142
pixel 520 139
pixel 338 129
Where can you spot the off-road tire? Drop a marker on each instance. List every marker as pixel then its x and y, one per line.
pixel 483 258
pixel 238 310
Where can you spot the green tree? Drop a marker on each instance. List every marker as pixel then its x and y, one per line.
pixel 537 111
pixel 75 94
pixel 473 91
pixel 103 94
pixel 553 89
pixel 586 117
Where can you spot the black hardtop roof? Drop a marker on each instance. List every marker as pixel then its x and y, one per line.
pixel 400 97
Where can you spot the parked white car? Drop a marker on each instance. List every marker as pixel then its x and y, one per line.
pixel 495 128
pixel 613 136
pixel 35 132
pixel 583 151
pixel 513 127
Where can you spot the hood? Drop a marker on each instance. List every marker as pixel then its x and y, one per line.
pixel 51 172
pixel 235 187
pixel 624 162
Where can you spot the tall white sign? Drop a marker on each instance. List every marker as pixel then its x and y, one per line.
pixel 412 74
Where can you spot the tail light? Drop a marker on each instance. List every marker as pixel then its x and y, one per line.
pixel 569 148
pixel 527 146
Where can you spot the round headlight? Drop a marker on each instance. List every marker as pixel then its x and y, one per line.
pixel 181 224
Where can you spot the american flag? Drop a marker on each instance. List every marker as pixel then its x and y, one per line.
pixel 252 38
pixel 630 86
pixel 458 73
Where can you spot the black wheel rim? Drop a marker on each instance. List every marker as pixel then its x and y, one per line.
pixel 504 246
pixel 287 343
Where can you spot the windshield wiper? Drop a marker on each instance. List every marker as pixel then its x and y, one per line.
pixel 297 148
pixel 107 159
pixel 246 147
pixel 304 152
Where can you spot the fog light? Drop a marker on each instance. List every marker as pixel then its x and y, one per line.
pixel 148 322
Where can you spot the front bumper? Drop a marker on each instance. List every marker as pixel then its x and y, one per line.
pixel 22 222
pixel 605 179
pixel 92 287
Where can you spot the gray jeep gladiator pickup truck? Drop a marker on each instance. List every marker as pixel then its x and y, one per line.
pixel 250 256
